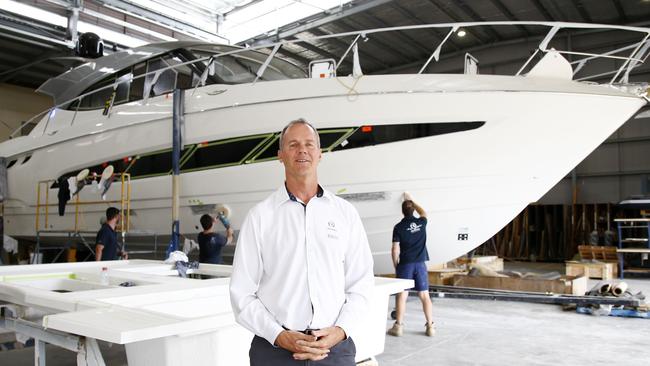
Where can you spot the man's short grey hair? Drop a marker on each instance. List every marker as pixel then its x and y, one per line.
pixel 295 122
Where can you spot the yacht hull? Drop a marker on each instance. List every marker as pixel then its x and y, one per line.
pixel 471 183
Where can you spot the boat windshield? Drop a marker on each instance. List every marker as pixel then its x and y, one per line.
pixel 183 68
pixel 241 67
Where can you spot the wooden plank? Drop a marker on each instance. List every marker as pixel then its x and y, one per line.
pixel 564 285
pixel 633 250
pixel 444 276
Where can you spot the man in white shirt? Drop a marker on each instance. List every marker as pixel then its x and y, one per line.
pixel 302 271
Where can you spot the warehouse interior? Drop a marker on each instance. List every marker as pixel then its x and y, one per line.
pixel 559 275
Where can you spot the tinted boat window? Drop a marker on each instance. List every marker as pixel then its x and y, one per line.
pixel 98 98
pixel 157 163
pixel 137 85
pixel 271 150
pixel 222 153
pixel 374 135
pixel 166 80
pixel 327 138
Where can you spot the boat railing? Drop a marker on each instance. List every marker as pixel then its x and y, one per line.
pixel 43 205
pixel 636 54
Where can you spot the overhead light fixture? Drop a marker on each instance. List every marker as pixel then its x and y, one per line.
pixel 461 33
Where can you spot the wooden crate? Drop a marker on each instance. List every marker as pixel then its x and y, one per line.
pixel 491 261
pixel 606 254
pixel 565 285
pixel 444 276
pixel 601 270
pixel 599 253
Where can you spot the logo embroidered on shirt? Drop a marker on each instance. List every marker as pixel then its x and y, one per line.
pixel 331 226
pixel 331 230
pixel 414 228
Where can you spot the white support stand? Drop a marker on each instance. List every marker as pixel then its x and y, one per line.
pixel 87 349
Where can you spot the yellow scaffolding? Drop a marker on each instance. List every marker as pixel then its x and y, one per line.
pixel 124 201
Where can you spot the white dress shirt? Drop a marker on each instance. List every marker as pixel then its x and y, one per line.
pixel 301 266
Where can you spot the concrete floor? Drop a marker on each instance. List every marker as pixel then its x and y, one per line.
pixel 474 332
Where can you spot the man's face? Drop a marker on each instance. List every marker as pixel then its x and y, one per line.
pixel 300 152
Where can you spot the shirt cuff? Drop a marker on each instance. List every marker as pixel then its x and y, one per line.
pixel 272 333
pixel 345 326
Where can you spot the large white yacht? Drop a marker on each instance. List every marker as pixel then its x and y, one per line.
pixel 472 149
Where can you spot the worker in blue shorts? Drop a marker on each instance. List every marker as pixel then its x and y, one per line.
pixel 409 254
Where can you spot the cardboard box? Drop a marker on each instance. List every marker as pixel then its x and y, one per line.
pixel 570 285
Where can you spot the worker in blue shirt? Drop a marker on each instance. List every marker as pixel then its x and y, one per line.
pixel 210 242
pixel 106 246
pixel 409 254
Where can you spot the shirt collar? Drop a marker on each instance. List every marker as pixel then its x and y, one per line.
pixel 283 195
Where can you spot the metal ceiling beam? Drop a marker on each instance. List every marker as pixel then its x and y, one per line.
pixel 401 35
pixel 345 46
pixel 540 7
pixel 310 47
pixel 477 18
pixel 33 74
pixel 455 18
pixel 295 56
pixel 410 15
pixel 377 41
pixel 288 31
pixel 582 10
pixel 508 14
pixel 152 16
pixel 620 10
pixel 512 42
pixel 31 38
pixel 41 62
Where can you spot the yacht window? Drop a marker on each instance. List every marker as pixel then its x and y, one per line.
pixel 152 164
pixel 122 91
pixel 223 153
pixel 157 163
pixel 166 81
pixel 271 151
pixel 186 78
pixel 137 85
pixel 26 159
pixel 11 163
pixel 329 137
pixel 374 135
pixel 98 98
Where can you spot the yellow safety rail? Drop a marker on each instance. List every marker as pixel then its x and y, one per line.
pixel 124 202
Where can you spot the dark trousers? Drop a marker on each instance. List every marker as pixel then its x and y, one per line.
pixel 262 353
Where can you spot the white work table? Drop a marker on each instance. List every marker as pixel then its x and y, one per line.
pixel 163 319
